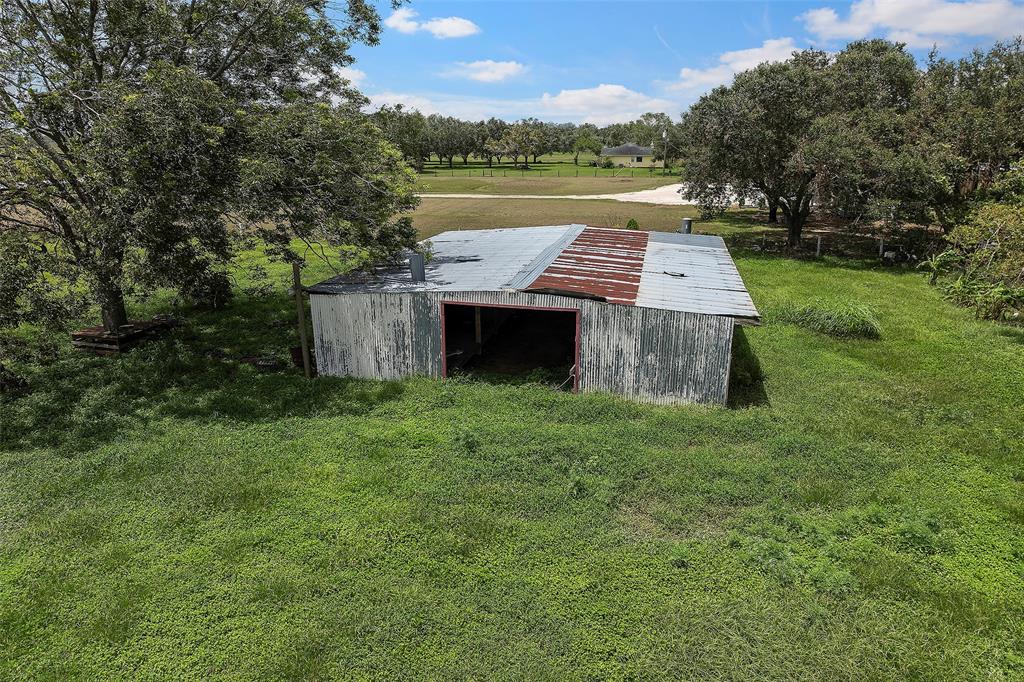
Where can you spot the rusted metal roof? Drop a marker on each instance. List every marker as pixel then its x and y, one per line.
pixel 600 263
pixel 667 271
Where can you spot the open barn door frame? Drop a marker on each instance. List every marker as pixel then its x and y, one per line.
pixel 480 334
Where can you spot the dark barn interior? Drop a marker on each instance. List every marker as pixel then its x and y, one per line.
pixel 510 342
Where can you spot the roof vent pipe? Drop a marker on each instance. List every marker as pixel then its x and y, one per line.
pixel 687 226
pixel 417 267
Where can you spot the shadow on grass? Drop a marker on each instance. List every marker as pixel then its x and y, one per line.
pixel 195 373
pixel 746 380
pixel 1015 334
pixel 750 249
pixel 746 222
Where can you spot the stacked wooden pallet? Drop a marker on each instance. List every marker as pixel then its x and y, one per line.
pixel 102 342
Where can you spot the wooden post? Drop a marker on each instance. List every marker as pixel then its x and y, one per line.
pixel 478 329
pixel 881 246
pixel 300 314
pixel 817 249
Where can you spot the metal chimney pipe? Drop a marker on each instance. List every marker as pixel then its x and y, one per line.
pixel 417 267
pixel 687 226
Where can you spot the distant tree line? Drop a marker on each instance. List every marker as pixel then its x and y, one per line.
pixel 422 138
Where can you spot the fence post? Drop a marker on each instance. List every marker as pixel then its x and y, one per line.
pixel 881 246
pixel 300 313
pixel 817 248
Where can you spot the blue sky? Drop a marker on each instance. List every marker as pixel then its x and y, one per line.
pixel 610 61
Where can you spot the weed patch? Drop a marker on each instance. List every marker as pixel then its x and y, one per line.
pixel 832 318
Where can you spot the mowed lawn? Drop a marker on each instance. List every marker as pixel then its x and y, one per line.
pixel 539 185
pixel 546 166
pixel 859 513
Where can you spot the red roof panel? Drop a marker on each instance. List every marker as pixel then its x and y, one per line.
pixel 600 262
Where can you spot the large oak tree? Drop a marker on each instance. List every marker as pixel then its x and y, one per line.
pixel 139 138
pixel 814 132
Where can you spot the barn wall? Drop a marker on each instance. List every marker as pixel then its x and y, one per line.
pixel 651 355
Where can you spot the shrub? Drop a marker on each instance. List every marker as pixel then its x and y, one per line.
pixel 833 318
pixel 632 224
pixel 984 266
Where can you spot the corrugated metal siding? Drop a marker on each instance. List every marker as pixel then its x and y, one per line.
pixel 650 355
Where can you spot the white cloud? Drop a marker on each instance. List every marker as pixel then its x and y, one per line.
pixel 409 101
pixel 920 22
pixel 352 74
pixel 450 27
pixel 917 41
pixel 600 105
pixel 486 70
pixel 729 64
pixel 607 103
pixel 404 20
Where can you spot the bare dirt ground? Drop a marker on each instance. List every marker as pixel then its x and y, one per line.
pixel 667 195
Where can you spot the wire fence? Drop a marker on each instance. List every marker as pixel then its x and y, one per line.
pixel 909 247
pixel 549 173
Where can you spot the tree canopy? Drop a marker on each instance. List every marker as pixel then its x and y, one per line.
pixel 139 140
pixel 863 134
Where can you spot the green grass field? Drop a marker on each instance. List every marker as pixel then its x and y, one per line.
pixel 547 166
pixel 856 513
pixel 540 185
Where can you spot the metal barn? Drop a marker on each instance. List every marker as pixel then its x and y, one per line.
pixel 647 315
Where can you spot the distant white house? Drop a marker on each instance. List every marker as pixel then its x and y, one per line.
pixel 631 155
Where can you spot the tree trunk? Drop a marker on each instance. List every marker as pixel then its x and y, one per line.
pixel 576 159
pixel 535 158
pixel 794 228
pixel 773 211
pixel 111 300
pixel 451 161
pixel 490 161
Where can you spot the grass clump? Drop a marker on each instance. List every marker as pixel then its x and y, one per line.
pixel 838 319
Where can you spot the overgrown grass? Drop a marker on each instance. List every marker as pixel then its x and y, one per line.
pixel 838 319
pixel 856 514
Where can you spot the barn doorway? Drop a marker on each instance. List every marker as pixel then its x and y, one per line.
pixel 510 343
